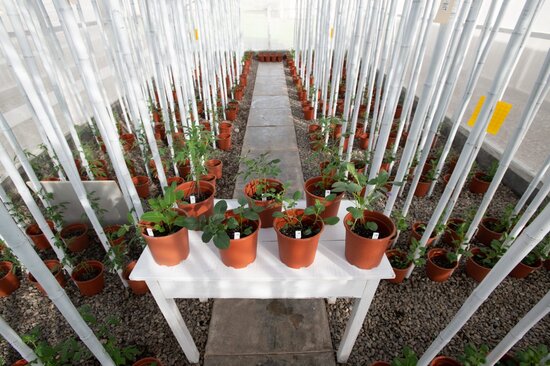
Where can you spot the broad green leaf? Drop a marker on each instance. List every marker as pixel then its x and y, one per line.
pixel 309 211
pixel 297 195
pixel 220 207
pixel 331 220
pixel 152 216
pixel 372 226
pixel 278 214
pixel 222 240
pixel 330 197
pixel 251 215
pixel 206 236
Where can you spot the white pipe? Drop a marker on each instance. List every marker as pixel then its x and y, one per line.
pixel 16 342
pixel 532 186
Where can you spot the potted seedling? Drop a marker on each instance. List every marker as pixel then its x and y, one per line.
pixel 56 269
pixel 409 358
pixel 455 230
pixel 441 263
pixel 368 233
pixel 9 282
pixel 533 356
pixel 164 228
pixel 54 217
pixel 198 194
pixel 234 232
pixel 480 181
pixel 483 259
pixel 491 228
pixel 68 352
pixel 299 230
pixel 389 157
pixel 262 189
pixel 530 263
pixel 474 356
pixel 444 361
pixel 89 277
pixel 418 229
pixel 426 180
pixel 401 260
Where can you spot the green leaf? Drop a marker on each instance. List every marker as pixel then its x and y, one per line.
pixel 278 214
pixel 309 211
pixel 152 216
pixel 356 213
pixel 242 201
pixel 331 220
pixel 206 236
pixel 372 226
pixel 251 215
pixel 220 207
pixel 186 222
pixel 297 195
pixel 330 197
pixel 222 240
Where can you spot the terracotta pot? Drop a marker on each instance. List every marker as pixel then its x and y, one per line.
pixel 203 208
pixel 422 188
pixel 450 235
pixel 400 273
pixel 367 253
pixel 446 178
pixel 184 170
pixel 231 114
pixel 148 361
pixel 89 287
pixel 474 269
pixel 363 140
pixel 110 230
pixel 507 360
pixel 239 94
pixel 58 274
pixel 77 243
pixel 128 141
pixel 416 235
pixel 210 178
pixel 214 166
pixel 308 113
pixel 160 130
pixel 336 131
pixel 316 145
pixel 205 125
pixel 522 270
pixel 477 185
pixel 241 252
pixel 138 287
pixel 169 250
pixel 331 207
pixel 385 167
pixel 141 183
pixel 177 180
pixel 9 283
pixel 224 141
pixel 444 361
pixel 296 253
pixel 484 235
pixel 380 363
pixel 434 271
pixel 266 216
pixel 226 127
pixel 38 237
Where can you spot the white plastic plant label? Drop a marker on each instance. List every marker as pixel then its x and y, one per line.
pixel 444 11
pixel 327 192
pixel 150 232
pixel 264 199
pixel 298 234
pixel 192 199
pixel 237 235
pixel 375 235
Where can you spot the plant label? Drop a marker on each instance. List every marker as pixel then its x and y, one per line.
pixel 237 235
pixel 192 199
pixel 375 235
pixel 444 12
pixel 298 234
pixel 327 192
pixel 264 199
pixel 150 232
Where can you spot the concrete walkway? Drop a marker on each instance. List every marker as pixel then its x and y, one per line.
pixel 273 331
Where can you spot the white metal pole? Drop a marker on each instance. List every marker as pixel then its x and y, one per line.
pixel 16 342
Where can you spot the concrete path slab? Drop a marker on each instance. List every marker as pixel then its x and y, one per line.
pixel 267 88
pixel 270 102
pixel 269 117
pixel 269 332
pixel 271 138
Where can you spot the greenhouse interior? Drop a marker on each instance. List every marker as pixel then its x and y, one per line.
pixel 274 182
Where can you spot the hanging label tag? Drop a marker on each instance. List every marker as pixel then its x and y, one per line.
pixel 499 115
pixel 375 235
pixel 327 192
pixel 298 234
pixel 192 199
pixel 264 199
pixel 237 235
pixel 150 232
pixel 444 11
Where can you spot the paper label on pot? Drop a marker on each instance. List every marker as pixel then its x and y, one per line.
pixel 264 199
pixel 150 232
pixel 237 235
pixel 327 192
pixel 298 234
pixel 444 12
pixel 192 199
pixel 375 235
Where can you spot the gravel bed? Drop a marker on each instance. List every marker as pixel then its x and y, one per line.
pixel 414 312
pixel 142 324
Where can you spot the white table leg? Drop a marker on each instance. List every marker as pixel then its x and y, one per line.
pixel 172 315
pixel 355 323
pixel 331 300
pixel 203 299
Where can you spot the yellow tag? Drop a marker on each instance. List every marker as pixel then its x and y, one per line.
pixel 477 109
pixel 331 32
pixel 196 34
pixel 499 115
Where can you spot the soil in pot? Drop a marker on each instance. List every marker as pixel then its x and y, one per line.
pixel 438 267
pixel 523 270
pixel 200 198
pixel 361 250
pixel 214 166
pixel 89 276
pixel 422 187
pixel 417 231
pixel 76 237
pixel 487 231
pixel 475 267
pixel 137 287
pixel 38 237
pixel 241 252
pixel 316 189
pixel 8 279
pixel 56 270
pixel 250 191
pixel 142 186
pixel 398 262
pixel 294 252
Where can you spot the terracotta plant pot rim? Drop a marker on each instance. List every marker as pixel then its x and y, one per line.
pixel 308 186
pixel 35 225
pixel 93 263
pixel 140 180
pixel 436 253
pixel 278 223
pixel 71 227
pixel 348 216
pixel 397 252
pixel 213 162
pixel 490 219
pixel 8 266
pixel 31 278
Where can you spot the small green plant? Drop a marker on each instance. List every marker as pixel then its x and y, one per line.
pixel 260 169
pixel 454 254
pixel 431 174
pixel 402 262
pixel 115 258
pixel 162 218
pixel 19 211
pixel 506 220
pixel 534 356
pixel 409 358
pixel 120 355
pixel 68 352
pixel 399 220
pixel 8 256
pixel 474 356
pixel 220 225
pixel 489 256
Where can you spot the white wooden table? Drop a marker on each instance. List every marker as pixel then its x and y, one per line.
pixel 203 275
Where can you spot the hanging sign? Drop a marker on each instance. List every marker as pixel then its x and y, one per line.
pixel 444 12
pixel 196 34
pixel 499 115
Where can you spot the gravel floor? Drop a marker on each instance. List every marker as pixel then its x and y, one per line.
pixel 142 325
pixel 413 313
